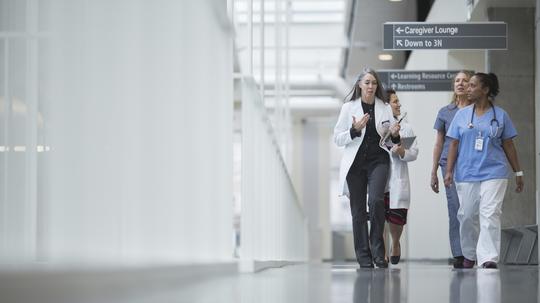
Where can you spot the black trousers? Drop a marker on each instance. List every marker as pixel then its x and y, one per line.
pixel 368 180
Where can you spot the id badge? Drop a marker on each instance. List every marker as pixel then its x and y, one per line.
pixel 479 142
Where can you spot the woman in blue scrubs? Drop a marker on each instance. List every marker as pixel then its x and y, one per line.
pixel 440 154
pixel 480 149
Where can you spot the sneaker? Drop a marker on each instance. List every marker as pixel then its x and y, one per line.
pixel 458 262
pixel 489 264
pixel 468 263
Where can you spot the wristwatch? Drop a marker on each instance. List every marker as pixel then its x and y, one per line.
pixel 519 173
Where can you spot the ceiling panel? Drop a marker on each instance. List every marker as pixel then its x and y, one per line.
pixel 321 51
pixel 366 37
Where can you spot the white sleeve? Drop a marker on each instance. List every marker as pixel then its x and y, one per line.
pixel 342 134
pixel 412 153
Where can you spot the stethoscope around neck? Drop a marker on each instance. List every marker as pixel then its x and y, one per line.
pixel 497 125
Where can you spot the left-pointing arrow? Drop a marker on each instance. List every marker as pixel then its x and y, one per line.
pixel 399 30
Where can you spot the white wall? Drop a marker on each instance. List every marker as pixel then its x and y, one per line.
pixel 134 100
pixel 311 179
pixel 274 226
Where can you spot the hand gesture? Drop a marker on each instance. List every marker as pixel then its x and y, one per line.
pixel 360 124
pixel 398 149
pixel 394 129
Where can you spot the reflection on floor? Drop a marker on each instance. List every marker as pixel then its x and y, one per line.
pixel 407 282
pixel 418 282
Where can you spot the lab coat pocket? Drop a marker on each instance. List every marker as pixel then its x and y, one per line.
pixel 404 190
pixel 399 193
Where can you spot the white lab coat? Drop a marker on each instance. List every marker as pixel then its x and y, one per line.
pixel 342 136
pixel 398 183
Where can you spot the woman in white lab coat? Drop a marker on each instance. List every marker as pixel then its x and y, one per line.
pixel 398 197
pixel 365 165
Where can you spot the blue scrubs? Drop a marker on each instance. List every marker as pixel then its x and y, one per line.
pixel 442 123
pixel 480 163
pixel 481 173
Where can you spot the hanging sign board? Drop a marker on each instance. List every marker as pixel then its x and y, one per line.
pixel 422 35
pixel 418 81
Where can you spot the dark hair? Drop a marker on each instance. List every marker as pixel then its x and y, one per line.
pixel 356 91
pixel 389 92
pixel 468 73
pixel 491 82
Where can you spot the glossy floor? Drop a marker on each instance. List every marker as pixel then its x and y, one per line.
pixel 407 282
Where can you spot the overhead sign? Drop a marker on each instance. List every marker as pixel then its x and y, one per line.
pixel 422 35
pixel 417 81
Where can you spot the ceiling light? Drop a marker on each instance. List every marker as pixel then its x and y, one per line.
pixel 395 0
pixel 385 57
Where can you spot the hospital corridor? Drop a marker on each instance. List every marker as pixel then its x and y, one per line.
pixel 269 151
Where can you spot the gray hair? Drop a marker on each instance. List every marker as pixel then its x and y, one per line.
pixel 356 91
